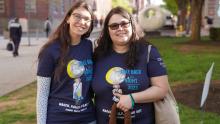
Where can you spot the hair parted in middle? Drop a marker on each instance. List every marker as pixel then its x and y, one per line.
pixel 105 44
pixel 62 36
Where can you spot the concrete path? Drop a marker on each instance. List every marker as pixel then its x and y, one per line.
pixel 16 72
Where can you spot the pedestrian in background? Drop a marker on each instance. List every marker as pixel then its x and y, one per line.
pixel 15 33
pixel 209 22
pixel 64 72
pixel 47 27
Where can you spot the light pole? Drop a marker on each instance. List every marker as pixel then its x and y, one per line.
pixel 28 6
pixel 29 41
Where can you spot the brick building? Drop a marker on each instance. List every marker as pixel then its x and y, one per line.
pixel 36 10
pixel 212 10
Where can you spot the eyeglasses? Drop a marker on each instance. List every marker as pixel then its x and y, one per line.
pixel 79 17
pixel 123 24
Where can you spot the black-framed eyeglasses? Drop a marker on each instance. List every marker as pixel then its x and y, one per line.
pixel 123 24
pixel 79 17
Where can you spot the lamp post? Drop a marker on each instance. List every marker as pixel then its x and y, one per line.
pixel 28 9
pixel 29 41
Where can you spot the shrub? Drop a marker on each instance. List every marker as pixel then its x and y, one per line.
pixel 214 34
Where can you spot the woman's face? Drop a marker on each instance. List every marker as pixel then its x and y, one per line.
pixel 79 21
pixel 120 30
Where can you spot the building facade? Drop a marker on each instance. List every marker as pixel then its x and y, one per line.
pixel 38 10
pixel 212 10
pixel 34 10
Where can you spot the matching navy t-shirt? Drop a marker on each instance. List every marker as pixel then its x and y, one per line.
pixel 136 80
pixel 70 98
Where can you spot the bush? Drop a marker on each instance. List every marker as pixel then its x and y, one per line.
pixel 214 34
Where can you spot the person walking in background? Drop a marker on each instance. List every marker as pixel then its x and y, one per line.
pixel 64 71
pixel 121 57
pixel 15 33
pixel 209 22
pixel 47 27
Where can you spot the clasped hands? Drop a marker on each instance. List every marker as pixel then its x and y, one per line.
pixel 124 103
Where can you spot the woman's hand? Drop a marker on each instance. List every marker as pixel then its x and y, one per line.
pixel 124 103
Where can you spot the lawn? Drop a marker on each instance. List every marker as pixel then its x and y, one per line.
pixel 186 63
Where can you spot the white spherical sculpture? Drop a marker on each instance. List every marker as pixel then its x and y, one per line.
pixel 151 18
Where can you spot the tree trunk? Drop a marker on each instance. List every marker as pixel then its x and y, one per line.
pixel 196 12
pixel 182 10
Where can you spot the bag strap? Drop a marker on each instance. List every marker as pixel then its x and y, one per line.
pixel 148 59
pixel 148 52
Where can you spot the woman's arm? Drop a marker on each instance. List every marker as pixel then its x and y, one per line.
pixel 43 89
pixel 157 91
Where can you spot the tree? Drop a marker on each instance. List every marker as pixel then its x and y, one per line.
pixel 123 3
pixel 172 6
pixel 179 8
pixel 196 7
pixel 182 11
pixel 196 11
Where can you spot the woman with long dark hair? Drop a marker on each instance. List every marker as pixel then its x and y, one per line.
pixel 122 74
pixel 65 71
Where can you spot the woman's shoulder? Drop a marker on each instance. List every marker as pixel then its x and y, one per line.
pixel 145 44
pixel 52 48
pixel 87 41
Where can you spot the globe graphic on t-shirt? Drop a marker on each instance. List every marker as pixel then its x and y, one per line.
pixel 75 69
pixel 115 75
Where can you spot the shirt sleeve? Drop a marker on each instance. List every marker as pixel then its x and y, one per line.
pixel 46 64
pixel 43 89
pixel 156 66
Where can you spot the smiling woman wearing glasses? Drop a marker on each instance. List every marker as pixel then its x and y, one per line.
pixel 64 72
pixel 123 74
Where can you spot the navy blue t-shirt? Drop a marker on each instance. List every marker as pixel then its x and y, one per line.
pixel 70 100
pixel 136 80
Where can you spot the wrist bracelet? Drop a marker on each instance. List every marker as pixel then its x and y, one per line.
pixel 132 101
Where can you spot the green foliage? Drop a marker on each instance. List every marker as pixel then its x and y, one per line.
pixel 122 3
pixel 172 6
pixel 215 33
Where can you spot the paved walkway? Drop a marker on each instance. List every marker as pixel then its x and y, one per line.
pixel 16 72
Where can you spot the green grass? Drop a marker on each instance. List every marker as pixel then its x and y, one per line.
pixel 183 67
pixel 187 67
pixel 192 116
pixel 18 107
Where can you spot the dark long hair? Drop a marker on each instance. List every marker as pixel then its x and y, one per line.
pixel 62 36
pixel 105 43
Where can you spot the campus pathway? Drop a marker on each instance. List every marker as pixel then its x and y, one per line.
pixel 16 72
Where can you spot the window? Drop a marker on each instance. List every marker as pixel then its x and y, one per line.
pixel 2 6
pixel 30 6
